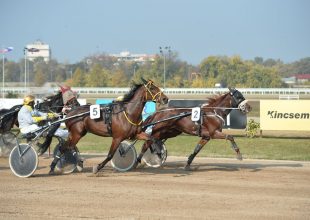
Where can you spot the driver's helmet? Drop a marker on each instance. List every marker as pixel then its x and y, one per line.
pixel 120 98
pixel 28 99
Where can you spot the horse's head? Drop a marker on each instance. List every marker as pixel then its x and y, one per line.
pixel 238 101
pixel 153 92
pixel 51 103
pixel 69 97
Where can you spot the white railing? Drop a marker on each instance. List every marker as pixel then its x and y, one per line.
pixel 168 91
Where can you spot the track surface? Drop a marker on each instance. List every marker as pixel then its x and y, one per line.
pixel 215 189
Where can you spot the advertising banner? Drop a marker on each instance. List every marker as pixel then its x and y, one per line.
pixel 285 115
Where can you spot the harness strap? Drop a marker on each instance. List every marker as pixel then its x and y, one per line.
pixel 131 122
pixel 220 117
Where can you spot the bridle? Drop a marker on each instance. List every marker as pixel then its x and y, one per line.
pixel 238 103
pixel 148 91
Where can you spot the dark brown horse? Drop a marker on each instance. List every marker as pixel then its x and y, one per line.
pixel 208 127
pixel 120 120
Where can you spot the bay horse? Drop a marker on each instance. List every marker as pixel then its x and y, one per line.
pixel 208 127
pixel 120 120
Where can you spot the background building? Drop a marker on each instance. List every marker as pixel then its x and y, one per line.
pixel 127 56
pixel 38 49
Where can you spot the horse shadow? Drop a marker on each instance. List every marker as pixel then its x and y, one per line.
pixel 177 168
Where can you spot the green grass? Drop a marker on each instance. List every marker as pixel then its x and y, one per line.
pixel 269 147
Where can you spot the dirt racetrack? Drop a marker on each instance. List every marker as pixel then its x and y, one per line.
pixel 215 189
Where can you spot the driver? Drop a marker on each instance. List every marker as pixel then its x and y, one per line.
pixel 29 118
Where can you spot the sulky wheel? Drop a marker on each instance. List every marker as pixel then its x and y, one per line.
pixel 67 162
pixel 156 156
pixel 124 157
pixel 23 160
pixel 8 141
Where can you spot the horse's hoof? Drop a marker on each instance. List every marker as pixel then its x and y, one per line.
pixel 187 167
pixel 52 172
pixel 135 166
pixel 239 156
pixel 95 169
pixel 80 166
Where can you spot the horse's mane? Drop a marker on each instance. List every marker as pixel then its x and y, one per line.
pixel 128 96
pixel 53 96
pixel 216 99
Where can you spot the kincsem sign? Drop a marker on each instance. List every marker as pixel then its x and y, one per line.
pixel 285 115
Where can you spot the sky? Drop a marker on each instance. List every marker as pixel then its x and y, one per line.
pixel 195 29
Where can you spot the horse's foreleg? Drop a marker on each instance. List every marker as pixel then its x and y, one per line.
pixel 203 141
pixel 113 148
pixel 220 135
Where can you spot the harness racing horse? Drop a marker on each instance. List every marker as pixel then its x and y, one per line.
pixel 120 120
pixel 208 127
pixel 55 104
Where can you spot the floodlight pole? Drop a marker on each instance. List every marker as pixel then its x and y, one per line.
pixel 163 51
pixel 3 75
pixel 25 83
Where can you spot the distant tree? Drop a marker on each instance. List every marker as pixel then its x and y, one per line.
pixel 78 78
pixel 12 71
pixel 119 79
pixel 210 67
pixel 39 78
pixel 259 60
pixel 199 83
pixel 302 66
pixel 97 77
pixel 262 77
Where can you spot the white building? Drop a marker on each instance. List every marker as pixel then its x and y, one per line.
pixel 38 49
pixel 127 56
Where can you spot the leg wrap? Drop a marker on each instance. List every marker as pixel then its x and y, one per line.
pixel 56 159
pixel 139 158
pixel 197 148
pixel 193 155
pixel 190 158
